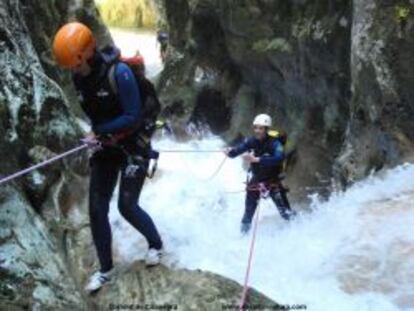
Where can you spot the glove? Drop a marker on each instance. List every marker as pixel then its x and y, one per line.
pixel 91 141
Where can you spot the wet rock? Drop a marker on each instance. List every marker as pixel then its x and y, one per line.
pixel 37 123
pixel 380 127
pixel 33 274
pixel 287 58
pixel 187 290
pixel 211 109
pixel 336 76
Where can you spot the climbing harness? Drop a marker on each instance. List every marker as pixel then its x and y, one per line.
pixel 249 263
pixel 43 164
pixel 265 188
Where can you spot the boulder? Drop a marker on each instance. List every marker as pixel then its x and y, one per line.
pixel 179 289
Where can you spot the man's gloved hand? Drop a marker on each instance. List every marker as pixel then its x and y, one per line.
pixel 153 154
pixel 91 140
pixel 108 140
pixel 251 158
pixel 227 151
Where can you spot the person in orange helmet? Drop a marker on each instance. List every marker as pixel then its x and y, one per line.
pixel 112 99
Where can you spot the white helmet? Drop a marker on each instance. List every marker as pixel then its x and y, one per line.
pixel 263 120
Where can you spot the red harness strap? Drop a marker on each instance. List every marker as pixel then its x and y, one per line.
pixel 115 138
pixel 265 188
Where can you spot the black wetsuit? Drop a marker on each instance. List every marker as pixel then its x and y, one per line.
pixel 112 113
pixel 267 172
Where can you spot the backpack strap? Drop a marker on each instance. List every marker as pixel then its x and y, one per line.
pixel 112 80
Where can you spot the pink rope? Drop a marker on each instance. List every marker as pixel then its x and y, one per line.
pixel 42 164
pixel 249 263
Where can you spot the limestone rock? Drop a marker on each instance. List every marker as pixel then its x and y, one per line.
pixel 36 122
pixel 188 290
pixel 380 127
pixel 33 274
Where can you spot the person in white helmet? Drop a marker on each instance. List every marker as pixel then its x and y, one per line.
pixel 266 156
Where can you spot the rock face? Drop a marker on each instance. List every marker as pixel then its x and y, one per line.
pixel 36 122
pixel 380 127
pixel 336 75
pixel 33 275
pixel 186 290
pixel 286 58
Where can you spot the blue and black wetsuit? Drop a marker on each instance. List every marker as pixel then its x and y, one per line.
pixel 271 153
pixel 112 113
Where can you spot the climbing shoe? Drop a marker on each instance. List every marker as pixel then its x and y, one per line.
pixel 153 257
pixel 288 214
pixel 97 280
pixel 245 228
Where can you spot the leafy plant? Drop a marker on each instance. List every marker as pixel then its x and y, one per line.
pixel 402 13
pixel 276 44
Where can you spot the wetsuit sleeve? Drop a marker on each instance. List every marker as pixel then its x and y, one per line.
pixel 241 148
pixel 129 99
pixel 278 155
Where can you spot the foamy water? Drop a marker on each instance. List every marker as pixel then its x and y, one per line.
pixel 354 252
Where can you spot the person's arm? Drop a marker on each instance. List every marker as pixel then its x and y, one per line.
pixel 241 148
pixel 278 155
pixel 130 101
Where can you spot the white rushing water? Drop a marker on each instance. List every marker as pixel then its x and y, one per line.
pixel 353 252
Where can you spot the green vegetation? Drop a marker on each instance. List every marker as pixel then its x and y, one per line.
pixel 402 13
pixel 128 13
pixel 277 44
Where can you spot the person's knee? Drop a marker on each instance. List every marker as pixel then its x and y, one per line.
pixel 126 206
pixel 124 209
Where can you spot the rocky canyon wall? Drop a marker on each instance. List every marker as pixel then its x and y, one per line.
pixel 335 74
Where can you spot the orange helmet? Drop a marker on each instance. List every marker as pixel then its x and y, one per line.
pixel 73 44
